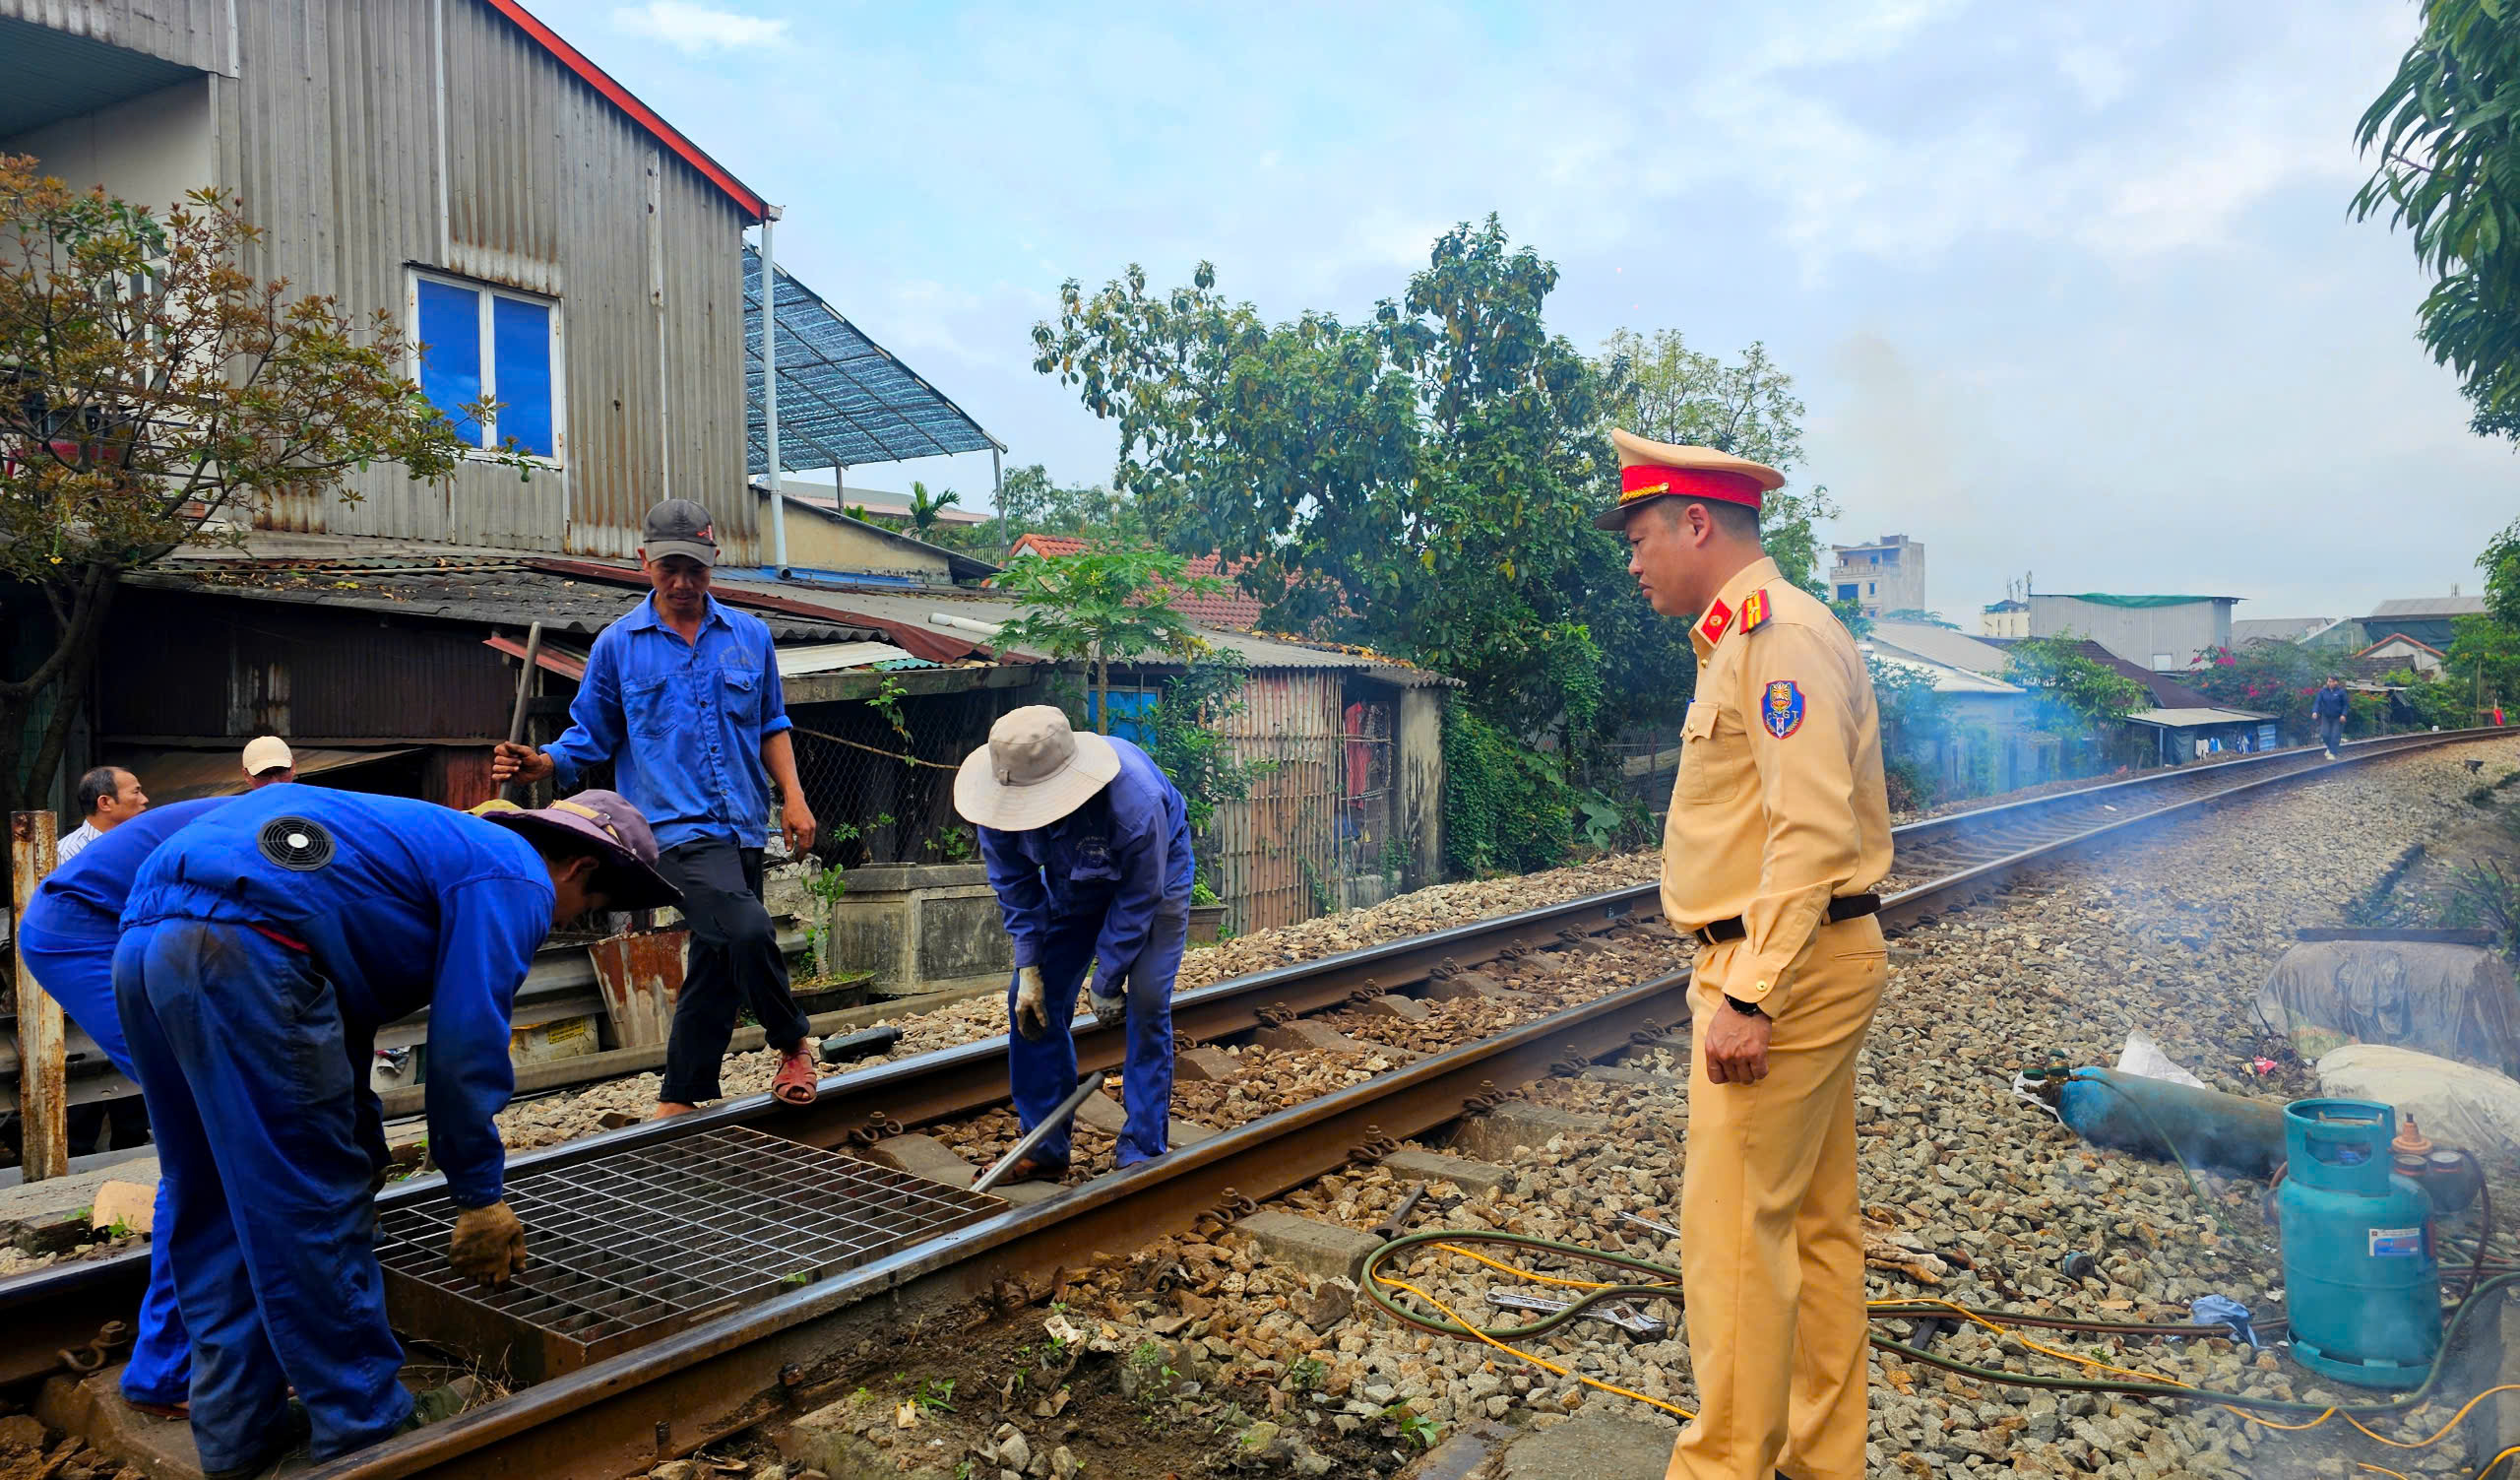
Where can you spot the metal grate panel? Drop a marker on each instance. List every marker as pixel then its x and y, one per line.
pixel 629 1247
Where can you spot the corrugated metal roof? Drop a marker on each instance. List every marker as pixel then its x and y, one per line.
pixel 843 400
pixel 1945 678
pixel 2189 718
pixel 1942 645
pixel 172 775
pixel 2433 607
pixel 2276 628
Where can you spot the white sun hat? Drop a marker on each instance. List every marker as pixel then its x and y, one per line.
pixel 1034 771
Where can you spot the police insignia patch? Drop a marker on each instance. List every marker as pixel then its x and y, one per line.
pixel 1719 616
pixel 1755 612
pixel 1782 712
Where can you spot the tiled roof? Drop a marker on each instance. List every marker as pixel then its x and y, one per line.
pixel 1229 607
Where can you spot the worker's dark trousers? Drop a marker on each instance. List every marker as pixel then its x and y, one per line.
pixel 263 1148
pixel 2331 734
pixel 735 962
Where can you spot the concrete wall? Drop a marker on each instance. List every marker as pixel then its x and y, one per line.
pixel 817 540
pixel 2159 638
pixel 1887 575
pixel 1420 782
pixel 150 150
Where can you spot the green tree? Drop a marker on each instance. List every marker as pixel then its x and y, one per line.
pixel 1107 605
pixel 1671 393
pixel 1929 618
pixel 924 509
pixel 2485 659
pixel 2073 692
pixel 1184 734
pixel 2449 171
pixel 1420 482
pixel 2267 678
pixel 149 386
pixel 1915 720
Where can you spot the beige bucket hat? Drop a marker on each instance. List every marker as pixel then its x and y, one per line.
pixel 1034 771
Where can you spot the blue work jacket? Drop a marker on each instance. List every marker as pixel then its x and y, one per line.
pixel 1122 856
pixel 77 916
pixel 2326 704
pixel 420 906
pixel 682 723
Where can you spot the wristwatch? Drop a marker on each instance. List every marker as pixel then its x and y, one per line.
pixel 1738 1006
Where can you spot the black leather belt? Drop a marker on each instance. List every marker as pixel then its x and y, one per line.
pixel 1844 907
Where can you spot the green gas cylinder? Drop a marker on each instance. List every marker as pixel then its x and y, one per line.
pixel 2361 1287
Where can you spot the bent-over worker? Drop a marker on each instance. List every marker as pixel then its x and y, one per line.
pixel 67 939
pixel 1780 827
pixel 262 946
pixel 682 696
pixel 1088 846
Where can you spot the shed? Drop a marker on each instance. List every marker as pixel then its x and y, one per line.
pixel 2430 619
pixel 2160 634
pixel 2186 733
pixel 2399 652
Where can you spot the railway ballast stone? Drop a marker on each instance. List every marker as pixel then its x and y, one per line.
pixel 923 1156
pixel 1517 1124
pixel 1323 1248
pixel 1471 1176
pixel 1306 1036
pixel 1205 1065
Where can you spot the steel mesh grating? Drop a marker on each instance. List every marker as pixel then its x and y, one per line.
pixel 625 1248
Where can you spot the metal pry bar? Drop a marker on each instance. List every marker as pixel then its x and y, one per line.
pixel 1054 1121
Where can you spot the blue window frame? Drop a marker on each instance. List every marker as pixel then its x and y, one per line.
pixel 481 341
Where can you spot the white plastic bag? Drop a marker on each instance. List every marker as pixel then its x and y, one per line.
pixel 2144 1056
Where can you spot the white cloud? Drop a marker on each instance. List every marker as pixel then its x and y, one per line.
pixel 695 29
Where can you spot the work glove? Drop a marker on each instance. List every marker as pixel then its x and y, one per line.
pixel 488 1245
pixel 1032 1020
pixel 1111 1011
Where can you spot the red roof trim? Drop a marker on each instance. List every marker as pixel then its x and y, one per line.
pixel 918 641
pixel 644 117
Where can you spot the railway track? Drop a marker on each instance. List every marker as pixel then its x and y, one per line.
pixel 784 1354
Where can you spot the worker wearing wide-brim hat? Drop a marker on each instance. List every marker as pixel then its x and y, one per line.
pixel 1779 830
pixel 1088 846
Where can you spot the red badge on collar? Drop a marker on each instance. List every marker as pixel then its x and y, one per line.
pixel 1755 611
pixel 1719 616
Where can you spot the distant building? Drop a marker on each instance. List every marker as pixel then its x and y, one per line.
pixel 2397 653
pixel 1887 575
pixel 2179 717
pixel 2159 633
pixel 2346 634
pixel 1229 607
pixel 2425 618
pixel 2009 617
pixel 2247 630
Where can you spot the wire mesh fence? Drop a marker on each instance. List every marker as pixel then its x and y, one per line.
pixel 880 780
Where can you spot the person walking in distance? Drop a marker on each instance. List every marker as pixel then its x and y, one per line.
pixel 2327 706
pixel 683 696
pixel 1779 829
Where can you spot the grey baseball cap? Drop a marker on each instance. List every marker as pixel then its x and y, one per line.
pixel 679 527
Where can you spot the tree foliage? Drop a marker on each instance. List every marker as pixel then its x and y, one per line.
pixel 1105 605
pixel 924 508
pixel 2268 677
pixel 2073 692
pixel 2449 171
pixel 152 395
pixel 1184 734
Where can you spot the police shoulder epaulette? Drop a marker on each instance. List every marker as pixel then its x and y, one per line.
pixel 1755 612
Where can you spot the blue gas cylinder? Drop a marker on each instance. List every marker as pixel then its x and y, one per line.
pixel 2359 1283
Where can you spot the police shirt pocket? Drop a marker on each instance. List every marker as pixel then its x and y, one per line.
pixel 1713 753
pixel 743 694
pixel 647 704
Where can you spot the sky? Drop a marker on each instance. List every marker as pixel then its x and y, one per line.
pixel 2067 292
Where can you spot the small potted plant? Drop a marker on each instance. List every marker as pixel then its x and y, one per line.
pixel 1206 913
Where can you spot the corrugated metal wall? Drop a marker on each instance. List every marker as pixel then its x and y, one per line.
pixel 332 137
pixel 191 33
pixel 255 667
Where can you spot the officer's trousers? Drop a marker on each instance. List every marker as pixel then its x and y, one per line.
pixel 243 1057
pixel 1044 1069
pixel 79 975
pixel 1770 1254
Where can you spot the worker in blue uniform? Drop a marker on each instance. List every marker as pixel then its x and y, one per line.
pixel 1088 846
pixel 67 940
pixel 258 942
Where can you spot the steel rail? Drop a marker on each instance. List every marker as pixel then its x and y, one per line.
pixel 781 1358
pixel 59 1306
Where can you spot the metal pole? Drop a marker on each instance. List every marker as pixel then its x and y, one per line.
pixel 1054 1121
pixel 42 1095
pixel 770 389
pixel 516 791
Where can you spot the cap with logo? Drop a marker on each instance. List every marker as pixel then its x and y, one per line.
pixel 679 527
pixel 267 753
pixel 1650 470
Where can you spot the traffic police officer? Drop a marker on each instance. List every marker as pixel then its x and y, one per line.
pixel 1779 828
pixel 1088 846
pixel 258 943
pixel 67 939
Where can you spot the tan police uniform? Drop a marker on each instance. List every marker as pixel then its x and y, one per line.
pixel 1778 822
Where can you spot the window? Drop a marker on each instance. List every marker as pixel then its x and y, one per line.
pixel 1846 591
pixel 482 340
pixel 1872 586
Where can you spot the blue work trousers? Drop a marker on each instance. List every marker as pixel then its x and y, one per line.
pixel 79 975
pixel 1043 1070
pixel 242 1054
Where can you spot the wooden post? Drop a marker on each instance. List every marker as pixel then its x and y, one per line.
pixel 42 1096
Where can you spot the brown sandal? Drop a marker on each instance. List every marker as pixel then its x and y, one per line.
pixel 799 1080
